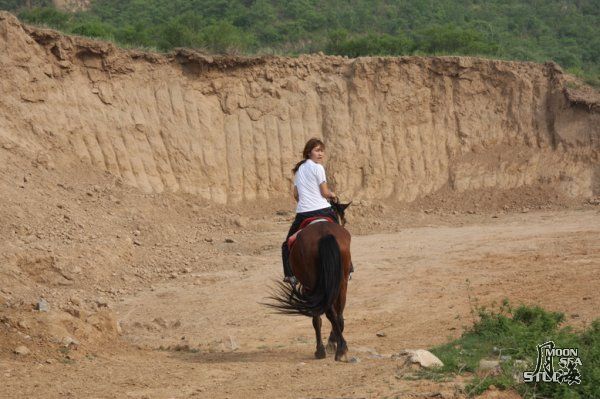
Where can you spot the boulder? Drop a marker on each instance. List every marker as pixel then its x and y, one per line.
pixel 423 358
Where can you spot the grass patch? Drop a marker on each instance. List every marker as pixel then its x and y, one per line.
pixel 511 336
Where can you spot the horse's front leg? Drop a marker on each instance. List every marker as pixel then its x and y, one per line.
pixel 320 353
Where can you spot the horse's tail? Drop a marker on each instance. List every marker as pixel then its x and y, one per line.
pixel 331 272
pixel 317 301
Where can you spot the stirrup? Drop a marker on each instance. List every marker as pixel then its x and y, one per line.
pixel 290 279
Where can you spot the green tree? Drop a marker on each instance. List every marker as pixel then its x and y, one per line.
pixel 48 16
pixel 224 37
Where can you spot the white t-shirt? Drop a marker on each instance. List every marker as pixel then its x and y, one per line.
pixel 307 180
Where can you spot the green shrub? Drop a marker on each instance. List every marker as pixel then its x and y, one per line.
pixel 516 333
pixel 47 16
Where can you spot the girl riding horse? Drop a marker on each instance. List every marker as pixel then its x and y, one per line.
pixel 320 258
pixel 311 192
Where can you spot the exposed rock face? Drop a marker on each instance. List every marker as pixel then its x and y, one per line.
pixel 230 129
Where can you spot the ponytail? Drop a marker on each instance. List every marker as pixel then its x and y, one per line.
pixel 310 144
pixel 298 166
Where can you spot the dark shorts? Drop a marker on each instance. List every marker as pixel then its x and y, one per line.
pixel 300 217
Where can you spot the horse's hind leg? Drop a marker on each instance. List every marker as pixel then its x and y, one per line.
pixel 337 322
pixel 331 343
pixel 320 353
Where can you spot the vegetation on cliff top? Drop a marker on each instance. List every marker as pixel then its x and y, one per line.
pixel 567 32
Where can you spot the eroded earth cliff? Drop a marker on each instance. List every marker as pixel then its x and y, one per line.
pixel 229 129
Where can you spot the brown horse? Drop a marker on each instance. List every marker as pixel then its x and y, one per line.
pixel 320 260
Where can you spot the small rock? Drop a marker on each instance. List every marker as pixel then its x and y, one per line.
pixel 229 240
pixel 137 242
pixel 42 306
pixel 22 350
pixel 422 357
pixel 233 345
pixel 161 322
pixel 180 347
pixel 486 364
pixel 241 221
pixel 73 312
pixel 68 342
pixel 381 334
pixel 208 239
pixel 136 233
pixel 101 303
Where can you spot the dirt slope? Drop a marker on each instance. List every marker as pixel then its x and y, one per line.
pixel 229 129
pixel 203 334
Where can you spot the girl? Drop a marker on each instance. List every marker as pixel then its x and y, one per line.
pixel 311 192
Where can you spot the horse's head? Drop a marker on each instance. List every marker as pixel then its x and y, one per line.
pixel 340 209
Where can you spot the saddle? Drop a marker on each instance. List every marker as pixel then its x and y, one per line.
pixel 308 221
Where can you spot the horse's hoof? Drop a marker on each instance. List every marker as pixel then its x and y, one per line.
pixel 331 347
pixel 341 358
pixel 320 354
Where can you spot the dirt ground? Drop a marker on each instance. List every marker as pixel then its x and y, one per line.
pixel 191 324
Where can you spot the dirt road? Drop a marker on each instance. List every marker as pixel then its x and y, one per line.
pixel 206 335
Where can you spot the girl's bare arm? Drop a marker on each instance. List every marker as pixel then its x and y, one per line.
pixel 325 192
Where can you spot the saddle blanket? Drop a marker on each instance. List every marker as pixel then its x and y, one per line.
pixel 306 222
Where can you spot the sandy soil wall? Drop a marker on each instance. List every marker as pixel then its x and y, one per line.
pixel 229 129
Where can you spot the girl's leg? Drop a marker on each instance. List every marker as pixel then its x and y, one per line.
pixel 285 251
pixel 300 217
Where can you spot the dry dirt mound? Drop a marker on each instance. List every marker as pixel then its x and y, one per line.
pixel 229 129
